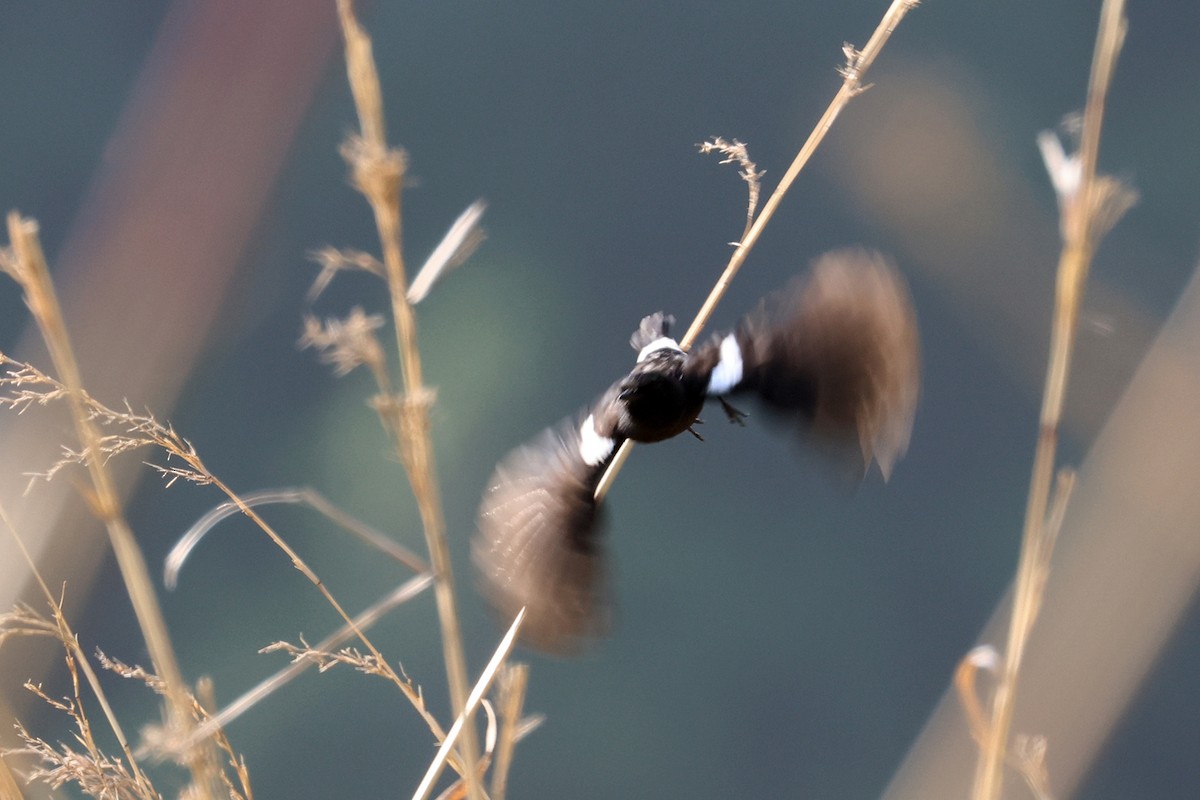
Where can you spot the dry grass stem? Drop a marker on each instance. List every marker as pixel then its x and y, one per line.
pixel 858 62
pixel 333 260
pixel 28 266
pixel 378 172
pixel 1089 205
pixel 24 621
pixel 481 688
pixel 325 660
pixel 362 622
pixel 735 152
pixel 206 701
pixel 856 67
pixel 512 682
pixel 1028 756
pixel 26 386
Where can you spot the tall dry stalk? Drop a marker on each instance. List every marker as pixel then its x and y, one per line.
pixel 28 267
pixel 378 172
pixel 1089 204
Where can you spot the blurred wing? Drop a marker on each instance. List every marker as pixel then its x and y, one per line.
pixel 538 545
pixel 836 353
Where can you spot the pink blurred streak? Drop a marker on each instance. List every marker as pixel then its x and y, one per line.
pixel 147 264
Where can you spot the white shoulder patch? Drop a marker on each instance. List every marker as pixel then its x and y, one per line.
pixel 661 343
pixel 593 448
pixel 728 371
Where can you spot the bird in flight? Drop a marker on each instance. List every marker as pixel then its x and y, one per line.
pixel 833 356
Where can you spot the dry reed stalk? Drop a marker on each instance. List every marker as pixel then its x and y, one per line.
pixel 31 272
pixel 852 72
pixel 378 173
pixel 1089 205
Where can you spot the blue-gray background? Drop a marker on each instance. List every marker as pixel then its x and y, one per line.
pixel 774 630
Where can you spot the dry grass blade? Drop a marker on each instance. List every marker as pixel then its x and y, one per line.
pixel 463 238
pixel 982 658
pixel 1080 211
pixel 302 496
pixel 852 72
pixel 362 622
pixel 332 261
pixel 481 688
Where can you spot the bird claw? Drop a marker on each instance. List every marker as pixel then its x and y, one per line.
pixel 736 416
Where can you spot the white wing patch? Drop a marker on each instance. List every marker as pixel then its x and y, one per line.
pixel 728 371
pixel 661 343
pixel 593 447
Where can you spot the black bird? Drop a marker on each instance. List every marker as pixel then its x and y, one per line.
pixel 834 356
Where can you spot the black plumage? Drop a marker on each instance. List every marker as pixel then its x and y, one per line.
pixel 833 356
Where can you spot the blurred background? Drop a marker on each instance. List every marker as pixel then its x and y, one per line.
pixel 777 635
